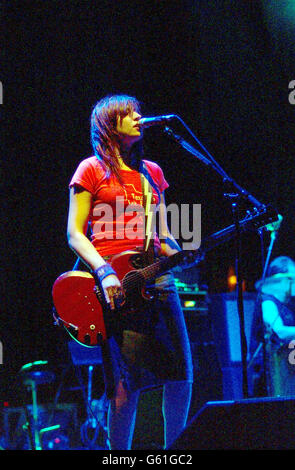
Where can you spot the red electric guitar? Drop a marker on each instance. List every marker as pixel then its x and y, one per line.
pixel 78 302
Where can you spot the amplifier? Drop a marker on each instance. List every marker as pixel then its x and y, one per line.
pixel 226 324
pixel 195 309
pixel 194 302
pixel 226 333
pixel 192 299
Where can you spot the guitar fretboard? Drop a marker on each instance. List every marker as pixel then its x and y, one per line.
pixel 150 272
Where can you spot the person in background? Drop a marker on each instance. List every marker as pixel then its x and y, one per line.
pixel 277 330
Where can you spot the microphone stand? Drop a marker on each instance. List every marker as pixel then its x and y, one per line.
pixel 262 343
pixel 236 194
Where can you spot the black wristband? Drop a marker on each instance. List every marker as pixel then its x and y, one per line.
pixel 102 272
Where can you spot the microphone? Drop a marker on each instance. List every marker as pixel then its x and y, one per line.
pixel 155 121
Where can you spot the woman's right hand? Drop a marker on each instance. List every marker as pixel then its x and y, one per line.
pixel 113 291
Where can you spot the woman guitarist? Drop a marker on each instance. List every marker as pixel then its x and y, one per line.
pixel 149 346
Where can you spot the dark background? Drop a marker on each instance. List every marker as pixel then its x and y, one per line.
pixel 222 66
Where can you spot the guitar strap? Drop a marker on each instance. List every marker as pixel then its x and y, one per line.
pixel 147 185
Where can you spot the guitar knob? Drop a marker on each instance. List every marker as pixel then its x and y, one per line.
pixel 74 332
pixel 87 339
pixel 99 338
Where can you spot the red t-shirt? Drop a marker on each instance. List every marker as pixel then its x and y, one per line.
pixel 117 216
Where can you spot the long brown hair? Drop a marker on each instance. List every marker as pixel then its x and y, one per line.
pixel 104 135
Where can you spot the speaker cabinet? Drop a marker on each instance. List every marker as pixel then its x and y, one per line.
pixel 226 325
pixel 266 423
pixel 226 334
pixel 207 384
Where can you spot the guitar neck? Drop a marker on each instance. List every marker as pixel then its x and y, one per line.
pixel 163 265
pixel 254 222
pixel 150 272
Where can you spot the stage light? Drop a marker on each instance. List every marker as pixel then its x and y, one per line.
pixel 231 279
pixel 189 303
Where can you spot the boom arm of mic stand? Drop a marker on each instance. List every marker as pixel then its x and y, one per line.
pixel 231 184
pixel 186 145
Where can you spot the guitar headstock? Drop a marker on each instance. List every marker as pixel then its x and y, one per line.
pixel 260 219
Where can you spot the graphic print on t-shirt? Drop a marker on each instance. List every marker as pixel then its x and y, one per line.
pixel 132 195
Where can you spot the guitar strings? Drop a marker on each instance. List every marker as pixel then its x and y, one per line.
pixel 140 275
pixel 146 273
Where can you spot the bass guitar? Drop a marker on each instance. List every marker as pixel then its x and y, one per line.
pixel 78 302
